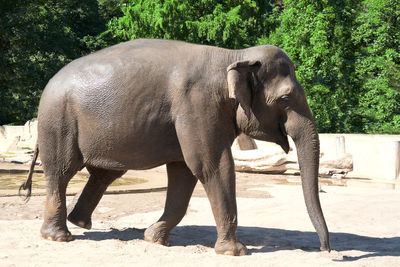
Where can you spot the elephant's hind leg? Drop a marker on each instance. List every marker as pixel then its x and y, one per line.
pixel 181 183
pixel 86 201
pixel 58 171
pixel 54 225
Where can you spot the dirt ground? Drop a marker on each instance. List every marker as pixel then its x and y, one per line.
pixel 364 225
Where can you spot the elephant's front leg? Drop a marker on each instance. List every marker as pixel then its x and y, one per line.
pixel 205 133
pixel 181 183
pixel 220 188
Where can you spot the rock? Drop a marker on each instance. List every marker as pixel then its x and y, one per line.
pixel 276 161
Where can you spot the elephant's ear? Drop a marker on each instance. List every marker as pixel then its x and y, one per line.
pixel 239 74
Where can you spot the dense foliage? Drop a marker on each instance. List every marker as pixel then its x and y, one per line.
pixel 347 56
pixel 347 53
pixel 227 23
pixel 37 38
pixel 377 66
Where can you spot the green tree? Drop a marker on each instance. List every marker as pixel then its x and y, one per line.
pixel 228 23
pixel 347 58
pixel 109 9
pixel 37 38
pixel 377 35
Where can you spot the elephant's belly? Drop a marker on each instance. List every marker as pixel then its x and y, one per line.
pixel 140 151
pixel 137 160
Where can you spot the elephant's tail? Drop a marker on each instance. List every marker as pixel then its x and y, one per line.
pixel 28 183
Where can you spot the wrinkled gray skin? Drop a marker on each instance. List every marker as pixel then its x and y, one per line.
pixel 144 103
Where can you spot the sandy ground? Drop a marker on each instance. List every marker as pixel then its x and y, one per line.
pixel 364 226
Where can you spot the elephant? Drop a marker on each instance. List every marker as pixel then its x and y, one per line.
pixel 148 102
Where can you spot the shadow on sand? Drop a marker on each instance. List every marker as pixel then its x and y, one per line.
pixel 265 239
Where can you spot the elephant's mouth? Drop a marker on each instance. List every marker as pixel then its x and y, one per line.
pixel 283 139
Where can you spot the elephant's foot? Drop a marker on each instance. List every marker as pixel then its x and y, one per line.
pixel 157 233
pixel 74 218
pixel 232 248
pixel 53 233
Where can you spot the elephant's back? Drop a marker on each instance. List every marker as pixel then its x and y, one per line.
pixel 123 63
pixel 124 74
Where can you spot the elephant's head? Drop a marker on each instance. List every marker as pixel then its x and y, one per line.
pixel 272 105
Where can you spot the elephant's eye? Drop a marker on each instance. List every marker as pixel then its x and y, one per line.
pixel 284 101
pixel 284 98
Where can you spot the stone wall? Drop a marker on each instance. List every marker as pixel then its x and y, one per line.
pixel 17 142
pixel 373 156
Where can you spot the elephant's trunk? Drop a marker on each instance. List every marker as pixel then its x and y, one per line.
pixel 303 132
